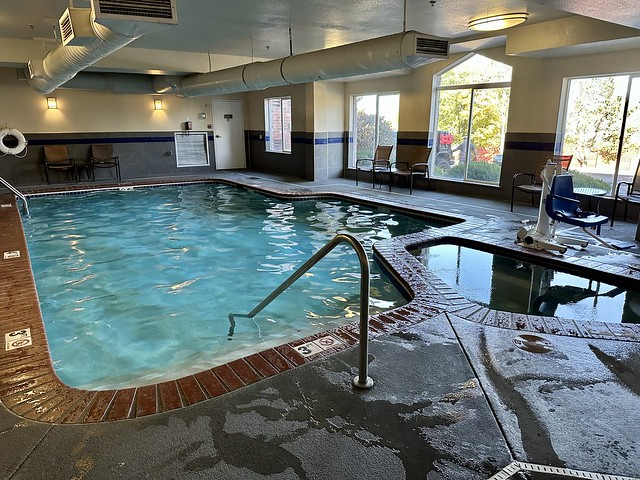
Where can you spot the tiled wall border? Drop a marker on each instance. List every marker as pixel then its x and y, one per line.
pixel 29 387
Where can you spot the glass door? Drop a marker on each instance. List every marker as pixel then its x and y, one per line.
pixel 488 125
pixel 471 128
pixel 375 122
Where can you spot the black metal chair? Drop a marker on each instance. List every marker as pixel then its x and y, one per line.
pixel 533 183
pixel 627 192
pixel 56 157
pixel 414 163
pixel 102 157
pixel 379 164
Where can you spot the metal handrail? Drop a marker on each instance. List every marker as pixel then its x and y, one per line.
pixel 17 193
pixel 362 380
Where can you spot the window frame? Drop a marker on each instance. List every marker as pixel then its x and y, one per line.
pixel 353 127
pixel 564 111
pixel 284 129
pixel 437 88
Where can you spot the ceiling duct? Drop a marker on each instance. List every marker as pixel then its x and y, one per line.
pixel 402 50
pixel 114 24
pixel 75 27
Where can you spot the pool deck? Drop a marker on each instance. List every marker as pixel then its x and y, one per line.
pixel 453 397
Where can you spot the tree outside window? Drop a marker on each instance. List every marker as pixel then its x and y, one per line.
pixel 469 127
pixel 374 122
pixel 601 129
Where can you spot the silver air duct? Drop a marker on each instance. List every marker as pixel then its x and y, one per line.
pixel 402 50
pixel 88 35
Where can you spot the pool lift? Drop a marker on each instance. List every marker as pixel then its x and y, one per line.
pixel 543 236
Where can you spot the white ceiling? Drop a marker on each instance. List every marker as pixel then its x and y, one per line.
pixel 260 28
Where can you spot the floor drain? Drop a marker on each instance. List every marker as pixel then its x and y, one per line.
pixel 517 467
pixel 533 343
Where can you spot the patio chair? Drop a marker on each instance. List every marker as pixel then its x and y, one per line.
pixel 56 157
pixel 533 183
pixel 102 157
pixel 627 192
pixel 562 205
pixel 413 164
pixel 378 164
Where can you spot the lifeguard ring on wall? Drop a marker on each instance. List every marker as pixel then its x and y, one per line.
pixel 12 141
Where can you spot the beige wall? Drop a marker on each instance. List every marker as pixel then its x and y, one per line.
pixel 535 91
pixel 298 94
pixel 93 111
pixel 329 105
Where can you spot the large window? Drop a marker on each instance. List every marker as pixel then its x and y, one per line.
pixel 471 107
pixel 600 127
pixel 374 121
pixel 277 121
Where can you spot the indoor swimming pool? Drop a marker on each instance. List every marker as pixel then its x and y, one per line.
pixel 512 285
pixel 135 285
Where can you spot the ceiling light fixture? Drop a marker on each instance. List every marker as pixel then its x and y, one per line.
pixel 498 22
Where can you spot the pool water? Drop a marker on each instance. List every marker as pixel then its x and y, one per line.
pixel 512 285
pixel 136 286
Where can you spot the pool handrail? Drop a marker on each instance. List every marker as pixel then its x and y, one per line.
pixel 362 380
pixel 17 193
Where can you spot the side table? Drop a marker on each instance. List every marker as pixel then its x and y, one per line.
pixel 591 193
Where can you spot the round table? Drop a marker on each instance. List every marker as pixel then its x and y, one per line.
pixel 591 192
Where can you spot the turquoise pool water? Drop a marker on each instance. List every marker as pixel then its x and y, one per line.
pixel 512 285
pixel 135 286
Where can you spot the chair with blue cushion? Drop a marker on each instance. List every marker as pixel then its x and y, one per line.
pixel 562 205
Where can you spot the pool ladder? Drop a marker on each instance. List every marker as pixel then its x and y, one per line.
pixel 25 205
pixel 362 380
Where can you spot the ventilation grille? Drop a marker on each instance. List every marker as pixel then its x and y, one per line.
pixel 66 28
pixel 163 11
pixel 432 46
pixel 75 27
pixel 192 149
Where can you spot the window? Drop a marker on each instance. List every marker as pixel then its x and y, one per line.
pixel 277 113
pixel 374 121
pixel 471 102
pixel 599 126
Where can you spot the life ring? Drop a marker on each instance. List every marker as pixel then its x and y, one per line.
pixel 8 134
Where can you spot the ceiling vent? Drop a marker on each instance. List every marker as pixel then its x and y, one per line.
pixel 148 11
pixel 75 27
pixel 432 46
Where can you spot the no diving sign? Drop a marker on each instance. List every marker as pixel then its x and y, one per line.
pixel 17 339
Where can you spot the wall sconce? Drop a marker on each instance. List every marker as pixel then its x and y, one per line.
pixel 52 103
pixel 157 104
pixel 498 22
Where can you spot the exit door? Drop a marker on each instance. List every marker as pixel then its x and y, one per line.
pixel 228 134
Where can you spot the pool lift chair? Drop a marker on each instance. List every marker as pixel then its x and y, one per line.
pixel 558 203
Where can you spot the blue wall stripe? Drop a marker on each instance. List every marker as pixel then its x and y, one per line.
pixel 87 140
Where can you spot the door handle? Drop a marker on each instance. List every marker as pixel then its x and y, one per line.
pixel 217 136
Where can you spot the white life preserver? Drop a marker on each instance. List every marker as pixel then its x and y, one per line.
pixel 12 132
